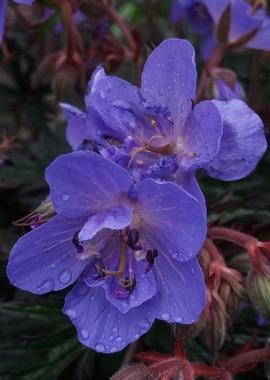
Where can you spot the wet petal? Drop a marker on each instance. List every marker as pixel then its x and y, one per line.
pixel 243 141
pixel 200 139
pixel 145 288
pixel 84 183
pixel 118 104
pixel 101 325
pixel 76 127
pixel 181 290
pixel 171 219
pixel 169 77
pixel 45 259
pixel 188 181
pixel 115 218
pixel 98 74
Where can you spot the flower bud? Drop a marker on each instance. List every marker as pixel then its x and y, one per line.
pixel 133 372
pixel 258 287
pixel 40 215
pixel 222 84
pixel 215 325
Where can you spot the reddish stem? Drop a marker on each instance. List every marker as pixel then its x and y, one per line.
pixel 122 25
pixel 214 61
pixel 233 236
pixel 239 362
pixel 70 30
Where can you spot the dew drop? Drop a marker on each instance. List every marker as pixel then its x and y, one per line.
pixel 100 347
pixel 53 265
pixel 71 313
pixel 118 339
pixel 84 333
pixel 114 330
pixel 179 319
pixel 192 270
pixel 102 95
pixel 65 197
pixel 136 336
pixel 165 316
pixel 45 286
pixel 144 324
pixel 111 338
pixel 65 276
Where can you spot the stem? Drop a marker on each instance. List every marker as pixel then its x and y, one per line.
pixel 236 364
pixel 69 27
pixel 122 25
pixel 214 254
pixel 233 236
pixel 214 61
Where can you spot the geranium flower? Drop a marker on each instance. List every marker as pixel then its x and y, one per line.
pixel 195 12
pixel 131 248
pixel 3 10
pixel 157 132
pixel 236 24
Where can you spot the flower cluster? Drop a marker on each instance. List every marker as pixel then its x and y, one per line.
pixel 129 218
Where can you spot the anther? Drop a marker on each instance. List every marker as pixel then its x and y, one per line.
pixel 129 283
pixel 76 242
pixel 151 254
pixel 133 237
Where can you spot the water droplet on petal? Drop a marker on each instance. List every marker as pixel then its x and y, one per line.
pixel 65 197
pixel 165 316
pixel 136 336
pixel 46 286
pixel 71 313
pixel 178 319
pixel 65 276
pixel 114 330
pixel 102 95
pixel 111 337
pixel 84 333
pixel 100 347
pixel 118 339
pixel 193 270
pixel 53 265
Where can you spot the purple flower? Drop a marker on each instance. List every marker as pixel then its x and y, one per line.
pixel 156 131
pixel 223 85
pixel 195 12
pixel 131 248
pixel 3 10
pixel 247 27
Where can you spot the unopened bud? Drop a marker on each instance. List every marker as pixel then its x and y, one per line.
pixel 222 84
pixel 40 215
pixel 133 372
pixel 258 287
pixel 215 326
pixel 187 332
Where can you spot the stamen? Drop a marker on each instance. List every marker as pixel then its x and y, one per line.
pixel 133 237
pixel 122 259
pixel 151 254
pixel 129 283
pixel 76 242
pixel 100 269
